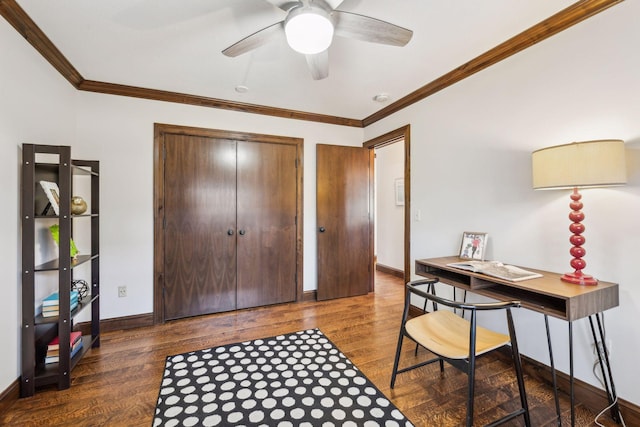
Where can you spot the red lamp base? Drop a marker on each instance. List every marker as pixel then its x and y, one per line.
pixel 578 278
pixel 577 240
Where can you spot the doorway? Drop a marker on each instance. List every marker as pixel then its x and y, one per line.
pixel 400 135
pixel 389 209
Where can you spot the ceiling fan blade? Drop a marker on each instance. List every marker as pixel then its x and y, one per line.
pixel 285 5
pixel 255 40
pixel 319 65
pixel 365 28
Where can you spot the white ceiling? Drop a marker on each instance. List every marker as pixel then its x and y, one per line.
pixel 175 45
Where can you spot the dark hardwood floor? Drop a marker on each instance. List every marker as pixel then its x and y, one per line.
pixel 117 384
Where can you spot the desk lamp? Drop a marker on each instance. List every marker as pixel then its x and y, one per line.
pixel 579 165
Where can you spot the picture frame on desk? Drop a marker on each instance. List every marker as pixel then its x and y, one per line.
pixel 473 245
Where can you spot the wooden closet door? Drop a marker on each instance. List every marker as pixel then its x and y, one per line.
pixel 266 224
pixel 200 217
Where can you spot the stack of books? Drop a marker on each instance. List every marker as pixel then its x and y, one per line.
pixel 51 304
pixel 53 349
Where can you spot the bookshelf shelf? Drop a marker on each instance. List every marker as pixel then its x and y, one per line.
pixel 82 304
pixel 54 264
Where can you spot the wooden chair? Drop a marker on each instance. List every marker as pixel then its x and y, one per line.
pixel 458 341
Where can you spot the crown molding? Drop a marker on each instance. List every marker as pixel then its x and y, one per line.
pixel 566 18
pixel 203 101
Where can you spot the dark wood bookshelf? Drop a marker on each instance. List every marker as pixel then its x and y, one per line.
pixel 37 330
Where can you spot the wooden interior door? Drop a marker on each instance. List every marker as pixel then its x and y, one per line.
pixel 266 223
pixel 200 222
pixel 344 221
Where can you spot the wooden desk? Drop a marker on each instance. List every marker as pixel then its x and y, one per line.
pixel 547 295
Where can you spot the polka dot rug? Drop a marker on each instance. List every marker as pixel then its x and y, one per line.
pixel 297 379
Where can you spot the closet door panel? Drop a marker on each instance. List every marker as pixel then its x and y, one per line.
pixel 199 235
pixel 266 203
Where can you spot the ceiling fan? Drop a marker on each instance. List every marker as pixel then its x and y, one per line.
pixel 310 26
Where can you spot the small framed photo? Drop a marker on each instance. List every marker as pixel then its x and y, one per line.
pixel 53 194
pixel 399 187
pixel 473 245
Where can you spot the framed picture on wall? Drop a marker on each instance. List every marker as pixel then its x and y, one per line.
pixel 399 187
pixel 473 245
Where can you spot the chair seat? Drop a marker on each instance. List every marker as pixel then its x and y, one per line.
pixel 447 334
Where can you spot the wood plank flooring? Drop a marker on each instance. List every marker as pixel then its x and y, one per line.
pixel 117 384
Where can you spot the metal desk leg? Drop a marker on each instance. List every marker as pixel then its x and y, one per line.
pixel 571 392
pixel 607 377
pixel 553 373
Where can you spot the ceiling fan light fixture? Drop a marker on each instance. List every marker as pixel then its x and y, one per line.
pixel 309 30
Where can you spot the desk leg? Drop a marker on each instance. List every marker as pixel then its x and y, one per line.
pixel 464 299
pixel 553 372
pixel 607 377
pixel 571 391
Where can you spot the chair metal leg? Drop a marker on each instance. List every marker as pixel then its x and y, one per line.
pixel 405 315
pixel 472 370
pixel 397 358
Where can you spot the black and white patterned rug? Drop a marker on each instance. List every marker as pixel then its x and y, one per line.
pixel 297 379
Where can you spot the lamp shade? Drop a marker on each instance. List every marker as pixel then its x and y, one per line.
pixel 580 164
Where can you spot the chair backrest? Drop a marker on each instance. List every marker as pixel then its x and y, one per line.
pixel 412 288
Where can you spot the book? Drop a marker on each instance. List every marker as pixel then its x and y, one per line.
pixel 56 351
pixel 55 357
pixel 53 310
pixel 496 269
pixel 74 303
pixel 53 299
pixel 74 337
pixel 51 304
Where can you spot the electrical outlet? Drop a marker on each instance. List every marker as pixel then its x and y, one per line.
pixel 597 348
pixel 122 291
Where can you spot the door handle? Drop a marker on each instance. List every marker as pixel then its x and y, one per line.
pixel 322 229
pixel 230 232
pixel 241 232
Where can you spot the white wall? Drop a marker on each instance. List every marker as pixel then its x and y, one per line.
pixel 36 106
pixel 471 170
pixel 389 216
